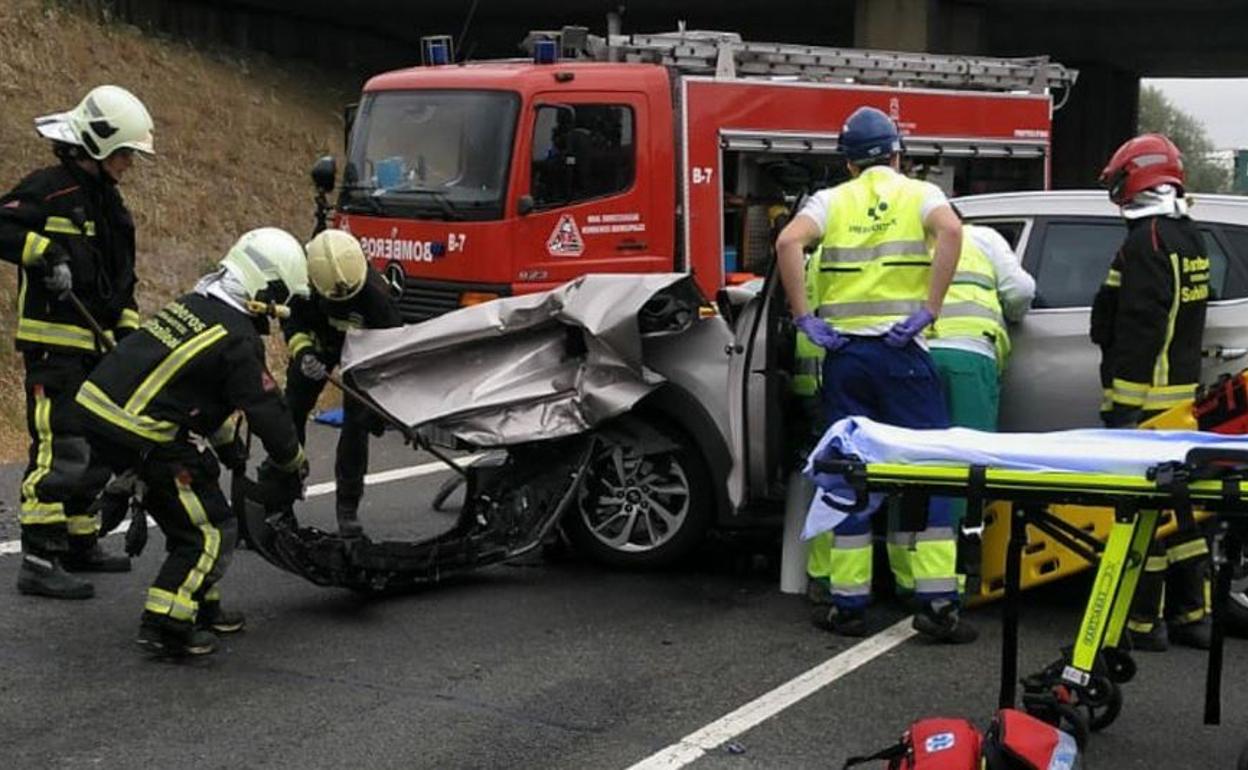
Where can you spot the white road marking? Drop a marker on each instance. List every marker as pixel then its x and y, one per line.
pixel 762 708
pixel 314 490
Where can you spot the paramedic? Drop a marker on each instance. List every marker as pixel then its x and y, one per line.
pixel 67 228
pixel 970 343
pixel 877 289
pixel 180 376
pixel 1148 319
pixel 346 294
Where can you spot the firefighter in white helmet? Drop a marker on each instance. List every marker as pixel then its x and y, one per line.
pixel 346 294
pixel 185 371
pixel 67 229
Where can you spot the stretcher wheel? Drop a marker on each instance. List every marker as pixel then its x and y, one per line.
pixel 1119 665
pixel 1102 699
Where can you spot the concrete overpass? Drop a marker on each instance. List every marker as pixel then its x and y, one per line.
pixel 1112 42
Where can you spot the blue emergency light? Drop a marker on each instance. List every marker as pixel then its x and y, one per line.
pixel 545 51
pixel 435 50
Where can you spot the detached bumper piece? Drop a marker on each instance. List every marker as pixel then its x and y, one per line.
pixel 511 502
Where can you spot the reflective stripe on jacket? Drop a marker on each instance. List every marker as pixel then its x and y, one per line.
pixel 972 307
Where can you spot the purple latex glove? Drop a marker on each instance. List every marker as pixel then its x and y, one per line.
pixel 821 333
pixel 904 331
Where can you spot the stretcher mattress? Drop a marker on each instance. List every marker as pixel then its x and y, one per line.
pixel 1125 455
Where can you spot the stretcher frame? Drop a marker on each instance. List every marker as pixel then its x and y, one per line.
pixel 1213 479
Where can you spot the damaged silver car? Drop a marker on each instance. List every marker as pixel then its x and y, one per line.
pixel 615 406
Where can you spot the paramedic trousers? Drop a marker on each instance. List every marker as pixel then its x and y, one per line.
pixel 899 387
pixel 62 476
pixel 184 497
pixel 973 395
pixel 351 459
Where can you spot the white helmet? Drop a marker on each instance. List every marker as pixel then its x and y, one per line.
pixel 109 118
pixel 270 265
pixel 336 265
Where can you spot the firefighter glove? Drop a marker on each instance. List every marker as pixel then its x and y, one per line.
pixel 59 279
pixel 821 333
pixel 136 536
pixel 233 453
pixel 312 367
pixel 904 332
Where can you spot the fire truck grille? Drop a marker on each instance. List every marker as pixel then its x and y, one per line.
pixel 422 300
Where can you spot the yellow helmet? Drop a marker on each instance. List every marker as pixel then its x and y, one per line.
pixel 336 265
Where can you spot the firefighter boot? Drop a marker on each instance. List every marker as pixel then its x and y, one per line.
pixel 1155 639
pixel 93 558
pixel 348 520
pixel 213 617
pixel 45 577
pixel 161 636
pixel 940 622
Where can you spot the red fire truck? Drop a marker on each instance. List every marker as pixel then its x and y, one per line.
pixel 650 153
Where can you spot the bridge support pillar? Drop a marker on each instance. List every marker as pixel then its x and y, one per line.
pixel 1101 113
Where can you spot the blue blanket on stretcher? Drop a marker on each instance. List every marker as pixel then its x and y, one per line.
pixel 1118 452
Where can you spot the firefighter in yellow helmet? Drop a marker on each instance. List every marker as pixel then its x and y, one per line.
pixel 346 294
pixel 67 229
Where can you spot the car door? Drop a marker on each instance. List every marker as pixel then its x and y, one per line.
pixel 1053 379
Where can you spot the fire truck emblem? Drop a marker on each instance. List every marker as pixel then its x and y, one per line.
pixel 565 239
pixel 894 109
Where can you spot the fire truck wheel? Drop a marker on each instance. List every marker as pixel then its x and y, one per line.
pixel 639 510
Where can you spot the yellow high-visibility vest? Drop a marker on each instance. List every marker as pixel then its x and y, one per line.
pixel 972 307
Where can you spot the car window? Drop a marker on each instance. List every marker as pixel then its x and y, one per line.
pixel 1011 231
pixel 1236 286
pixel 1074 260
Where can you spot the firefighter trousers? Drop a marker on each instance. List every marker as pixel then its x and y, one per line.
pixel 62 476
pixel 351 457
pixel 184 496
pixel 1175 583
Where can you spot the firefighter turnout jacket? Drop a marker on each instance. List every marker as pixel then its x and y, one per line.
pixel 320 325
pixel 64 214
pixel 1148 319
pixel 186 370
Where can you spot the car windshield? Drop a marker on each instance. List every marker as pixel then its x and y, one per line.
pixel 431 154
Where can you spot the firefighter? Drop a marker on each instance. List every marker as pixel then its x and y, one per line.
pixel 183 374
pixel 878 288
pixel 68 230
pixel 346 294
pixel 1148 319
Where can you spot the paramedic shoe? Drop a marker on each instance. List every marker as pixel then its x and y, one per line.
pixel 215 618
pixel 1154 640
pixel 818 591
pixel 45 577
pixel 95 559
pixel 348 521
pixel 1198 634
pixel 839 620
pixel 940 622
pixel 167 638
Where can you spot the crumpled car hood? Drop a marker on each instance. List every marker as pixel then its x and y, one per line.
pixel 524 368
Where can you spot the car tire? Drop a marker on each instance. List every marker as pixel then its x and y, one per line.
pixel 653 516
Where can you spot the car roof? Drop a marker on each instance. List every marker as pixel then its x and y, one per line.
pixel 1229 209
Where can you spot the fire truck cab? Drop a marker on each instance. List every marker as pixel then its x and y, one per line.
pixel 651 153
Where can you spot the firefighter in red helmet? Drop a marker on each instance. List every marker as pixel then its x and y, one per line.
pixel 1148 319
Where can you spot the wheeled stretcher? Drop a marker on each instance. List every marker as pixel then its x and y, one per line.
pixel 1081 689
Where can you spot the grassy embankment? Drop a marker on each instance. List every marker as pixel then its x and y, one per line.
pixel 235 138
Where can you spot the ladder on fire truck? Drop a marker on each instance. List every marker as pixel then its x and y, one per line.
pixel 726 55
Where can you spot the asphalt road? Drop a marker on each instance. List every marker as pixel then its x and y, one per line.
pixel 541 664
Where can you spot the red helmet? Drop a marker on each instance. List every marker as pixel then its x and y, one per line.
pixel 1146 161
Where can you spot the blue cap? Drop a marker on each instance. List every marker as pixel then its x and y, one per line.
pixel 868 134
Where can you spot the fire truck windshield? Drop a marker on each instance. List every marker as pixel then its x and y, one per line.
pixel 431 154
